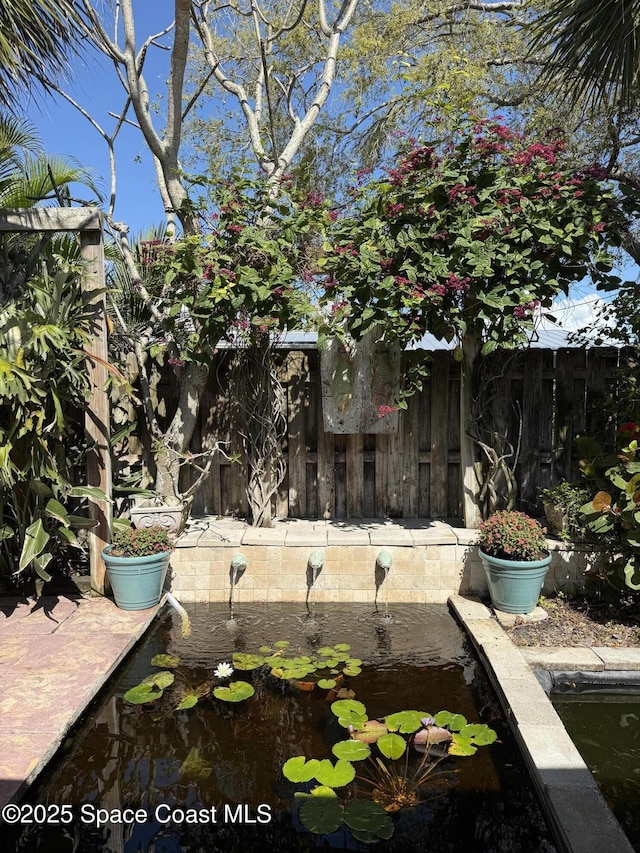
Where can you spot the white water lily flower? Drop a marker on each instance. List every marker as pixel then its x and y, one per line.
pixel 223 670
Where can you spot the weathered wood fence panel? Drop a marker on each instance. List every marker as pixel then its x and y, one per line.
pixel 545 398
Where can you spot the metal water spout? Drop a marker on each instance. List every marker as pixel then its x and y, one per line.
pixel 186 622
pixel 384 561
pixel 315 563
pixel 238 566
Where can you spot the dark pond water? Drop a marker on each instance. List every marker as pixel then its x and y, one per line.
pixel 605 727
pixel 176 767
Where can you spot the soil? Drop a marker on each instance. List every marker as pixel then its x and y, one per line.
pixel 582 621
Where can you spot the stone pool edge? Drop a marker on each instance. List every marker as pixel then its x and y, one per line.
pixel 577 811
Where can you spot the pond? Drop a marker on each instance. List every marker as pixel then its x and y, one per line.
pixel 605 727
pixel 147 777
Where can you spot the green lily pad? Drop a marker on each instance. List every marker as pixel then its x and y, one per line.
pixel 142 693
pixel 461 746
pixel 188 701
pixel 237 691
pixel 194 767
pixel 342 647
pixel 321 814
pixel 160 679
pixel 351 750
pixel 367 816
pixel 265 649
pixel 349 712
pixel 323 791
pixel 352 670
pixel 298 769
pixel 281 644
pixel 370 731
pixel 455 722
pixel 351 662
pixel 247 662
pixel 406 722
pixel 482 735
pixel 392 745
pixel 326 651
pixel 327 683
pixel 335 775
pixel 166 661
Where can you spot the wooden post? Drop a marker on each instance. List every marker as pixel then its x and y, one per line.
pixel 470 486
pixel 97 415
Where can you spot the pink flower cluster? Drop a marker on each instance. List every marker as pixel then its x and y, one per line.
pixel 383 411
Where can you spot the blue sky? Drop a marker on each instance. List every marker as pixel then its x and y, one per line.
pixel 95 87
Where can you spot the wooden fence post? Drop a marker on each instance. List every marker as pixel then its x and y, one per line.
pixel 470 486
pixel 97 416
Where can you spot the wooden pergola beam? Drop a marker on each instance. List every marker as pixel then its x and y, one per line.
pixel 87 221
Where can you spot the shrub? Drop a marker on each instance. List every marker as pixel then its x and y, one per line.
pixel 511 535
pixel 140 542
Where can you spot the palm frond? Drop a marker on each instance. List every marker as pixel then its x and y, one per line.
pixel 595 48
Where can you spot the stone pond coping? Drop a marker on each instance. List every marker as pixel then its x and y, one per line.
pixel 432 559
pixel 578 813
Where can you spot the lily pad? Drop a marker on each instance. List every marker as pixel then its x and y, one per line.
pixel 327 683
pixel 188 701
pixel 281 644
pixel 405 721
pixel 455 722
pixel 367 816
pixel 142 693
pixel 349 712
pixel 321 814
pixel 298 769
pixel 160 679
pixel 392 745
pixel 335 775
pixel 326 651
pixel 370 732
pixel 237 691
pixel 265 650
pixel 166 661
pixel 461 746
pixel 352 670
pixel 247 662
pixel 351 750
pixel 342 647
pixel 482 735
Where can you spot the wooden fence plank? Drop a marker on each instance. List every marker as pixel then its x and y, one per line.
pixel 410 458
pixel 439 433
pixel 297 369
pixel 531 425
pixel 355 475
pixel 564 417
pixel 381 459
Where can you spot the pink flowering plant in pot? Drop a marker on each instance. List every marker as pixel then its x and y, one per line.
pixel 512 535
pixel 515 560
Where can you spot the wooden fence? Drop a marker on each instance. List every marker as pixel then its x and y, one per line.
pixel 548 397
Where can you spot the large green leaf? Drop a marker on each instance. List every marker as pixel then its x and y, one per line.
pixel 298 769
pixel 351 750
pixel 335 775
pixel 237 691
pixel 349 712
pixel 405 721
pixel 321 814
pixel 391 745
pixel 35 541
pixel 247 662
pixel 160 679
pixel 142 693
pixel 54 509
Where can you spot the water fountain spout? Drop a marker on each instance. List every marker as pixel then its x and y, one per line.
pixel 384 561
pixel 314 567
pixel 238 568
pixel 184 616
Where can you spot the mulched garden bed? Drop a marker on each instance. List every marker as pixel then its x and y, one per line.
pixel 582 621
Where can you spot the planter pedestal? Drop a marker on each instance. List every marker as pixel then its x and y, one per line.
pixel 514 585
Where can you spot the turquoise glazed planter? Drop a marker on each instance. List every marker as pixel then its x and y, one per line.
pixel 514 585
pixel 136 582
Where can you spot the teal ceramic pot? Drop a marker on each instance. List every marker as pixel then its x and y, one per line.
pixel 514 585
pixel 136 582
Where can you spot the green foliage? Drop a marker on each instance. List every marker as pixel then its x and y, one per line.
pixel 45 326
pixel 140 542
pixel 567 499
pixel 324 670
pixel 613 516
pixel 390 784
pixel 236 691
pixel 512 535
